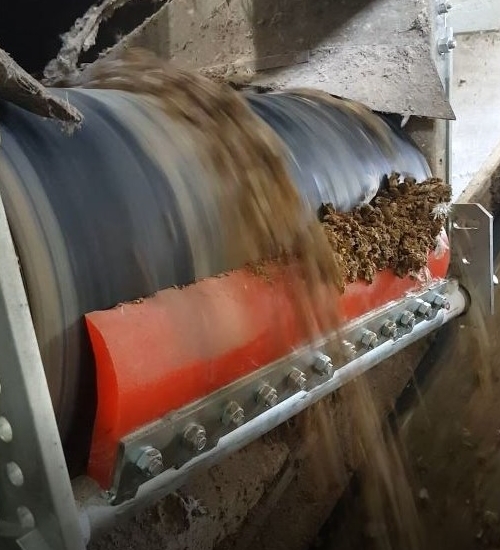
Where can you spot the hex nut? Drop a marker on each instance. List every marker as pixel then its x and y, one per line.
pixel 407 320
pixel 444 7
pixel 440 302
pixel 25 517
pixel 349 350
pixel 446 45
pixel 195 436
pixel 150 461
pixel 389 329
pixel 368 339
pixel 323 364
pixel 424 309
pixel 233 414
pixel 297 379
pixel 267 396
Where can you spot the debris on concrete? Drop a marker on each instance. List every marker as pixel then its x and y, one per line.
pixel 18 87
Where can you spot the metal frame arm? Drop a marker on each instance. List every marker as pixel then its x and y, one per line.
pixel 37 507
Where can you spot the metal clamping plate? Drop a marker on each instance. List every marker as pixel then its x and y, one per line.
pixel 471 241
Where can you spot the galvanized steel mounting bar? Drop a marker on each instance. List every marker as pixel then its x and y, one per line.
pixel 97 515
pixel 175 439
pixel 37 507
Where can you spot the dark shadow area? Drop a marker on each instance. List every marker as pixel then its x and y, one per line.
pixel 285 26
pixel 340 531
pixel 30 30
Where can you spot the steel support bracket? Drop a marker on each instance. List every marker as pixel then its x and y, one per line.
pixel 471 241
pixel 37 507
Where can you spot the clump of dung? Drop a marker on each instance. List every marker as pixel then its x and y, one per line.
pixel 396 231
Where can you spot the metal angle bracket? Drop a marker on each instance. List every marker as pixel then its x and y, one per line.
pixel 37 507
pixel 471 241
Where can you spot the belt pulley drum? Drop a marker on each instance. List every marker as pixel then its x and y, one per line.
pixel 117 210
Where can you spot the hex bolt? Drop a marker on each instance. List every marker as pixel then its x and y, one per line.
pixel 446 45
pixel 323 364
pixel 407 320
pixel 368 339
pixel 150 461
pixel 440 302
pixel 424 309
pixel 389 329
pixel 25 517
pixel 444 7
pixel 14 474
pixel 349 350
pixel 267 396
pixel 297 379
pixel 233 414
pixel 195 436
pixel 6 433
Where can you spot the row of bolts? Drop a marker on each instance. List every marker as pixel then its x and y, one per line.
pixel 150 459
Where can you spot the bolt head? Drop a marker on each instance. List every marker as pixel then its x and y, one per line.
pixel 369 339
pixel 440 302
pixel 195 437
pixel 323 364
pixel 233 414
pixel 424 309
pixel 444 7
pixel 267 396
pixel 297 379
pixel 407 320
pixel 389 329
pixel 349 350
pixel 446 45
pixel 26 518
pixel 150 461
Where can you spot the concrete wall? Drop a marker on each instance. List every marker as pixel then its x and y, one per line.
pixel 476 102
pixel 475 15
pixel 379 52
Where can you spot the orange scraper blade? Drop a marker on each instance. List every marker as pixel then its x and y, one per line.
pixel 164 352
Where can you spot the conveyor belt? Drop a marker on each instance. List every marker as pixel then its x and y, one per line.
pixel 335 155
pixel 123 207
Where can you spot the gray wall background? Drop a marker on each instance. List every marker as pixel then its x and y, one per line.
pixel 476 86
